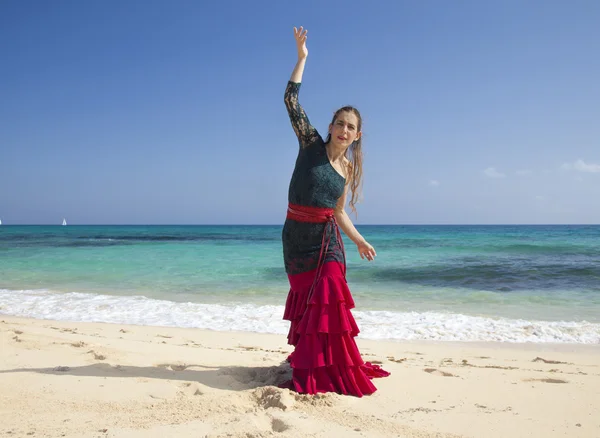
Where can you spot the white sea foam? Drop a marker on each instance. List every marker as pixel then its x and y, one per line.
pixel 76 306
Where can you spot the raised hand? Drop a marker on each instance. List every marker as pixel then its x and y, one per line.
pixel 300 35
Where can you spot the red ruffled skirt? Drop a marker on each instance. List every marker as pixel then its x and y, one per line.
pixel 326 358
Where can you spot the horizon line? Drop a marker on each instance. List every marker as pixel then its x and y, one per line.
pixel 281 224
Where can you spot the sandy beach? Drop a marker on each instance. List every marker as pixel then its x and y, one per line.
pixel 72 379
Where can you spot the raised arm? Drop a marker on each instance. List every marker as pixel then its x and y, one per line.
pixel 300 37
pixel 305 132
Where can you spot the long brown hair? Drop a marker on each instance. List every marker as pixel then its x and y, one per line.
pixel 355 156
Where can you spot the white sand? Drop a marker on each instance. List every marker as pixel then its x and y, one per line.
pixel 66 379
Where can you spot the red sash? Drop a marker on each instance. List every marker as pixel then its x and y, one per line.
pixel 302 213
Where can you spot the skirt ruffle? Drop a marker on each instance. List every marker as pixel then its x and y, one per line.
pixel 326 357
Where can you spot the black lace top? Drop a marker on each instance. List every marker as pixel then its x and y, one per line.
pixel 314 183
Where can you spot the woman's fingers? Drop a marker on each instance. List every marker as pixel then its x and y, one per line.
pixel 369 254
pixel 367 251
pixel 300 34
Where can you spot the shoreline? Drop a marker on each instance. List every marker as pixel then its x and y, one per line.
pixel 382 325
pixel 82 379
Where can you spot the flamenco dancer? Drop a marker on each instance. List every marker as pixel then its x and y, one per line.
pixel 325 358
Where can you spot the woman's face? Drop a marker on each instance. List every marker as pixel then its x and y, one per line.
pixel 344 130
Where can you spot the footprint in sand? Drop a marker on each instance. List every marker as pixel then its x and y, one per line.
pixel 173 366
pixel 278 425
pixel 317 400
pixel 498 367
pixel 546 380
pixel 192 389
pixel 178 367
pixel 277 351
pixel 438 372
pixel 419 409
pixel 271 397
pixel 97 356
pixel 61 369
pixel 489 410
pixel 465 363
pixel 554 362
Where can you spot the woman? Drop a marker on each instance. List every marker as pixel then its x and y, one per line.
pixel 325 358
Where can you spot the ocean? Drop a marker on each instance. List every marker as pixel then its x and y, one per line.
pixel 516 283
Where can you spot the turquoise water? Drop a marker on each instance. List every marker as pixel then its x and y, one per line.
pixel 428 275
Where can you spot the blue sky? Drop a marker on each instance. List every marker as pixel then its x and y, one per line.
pixel 156 112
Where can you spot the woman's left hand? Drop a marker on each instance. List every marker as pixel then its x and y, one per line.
pixel 365 249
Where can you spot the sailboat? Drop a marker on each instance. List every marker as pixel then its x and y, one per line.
pixel 0 221
pixel 64 222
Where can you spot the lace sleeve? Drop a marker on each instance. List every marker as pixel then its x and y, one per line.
pixel 305 132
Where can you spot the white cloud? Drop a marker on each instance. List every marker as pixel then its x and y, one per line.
pixel 491 172
pixel 434 183
pixel 524 172
pixel 581 166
